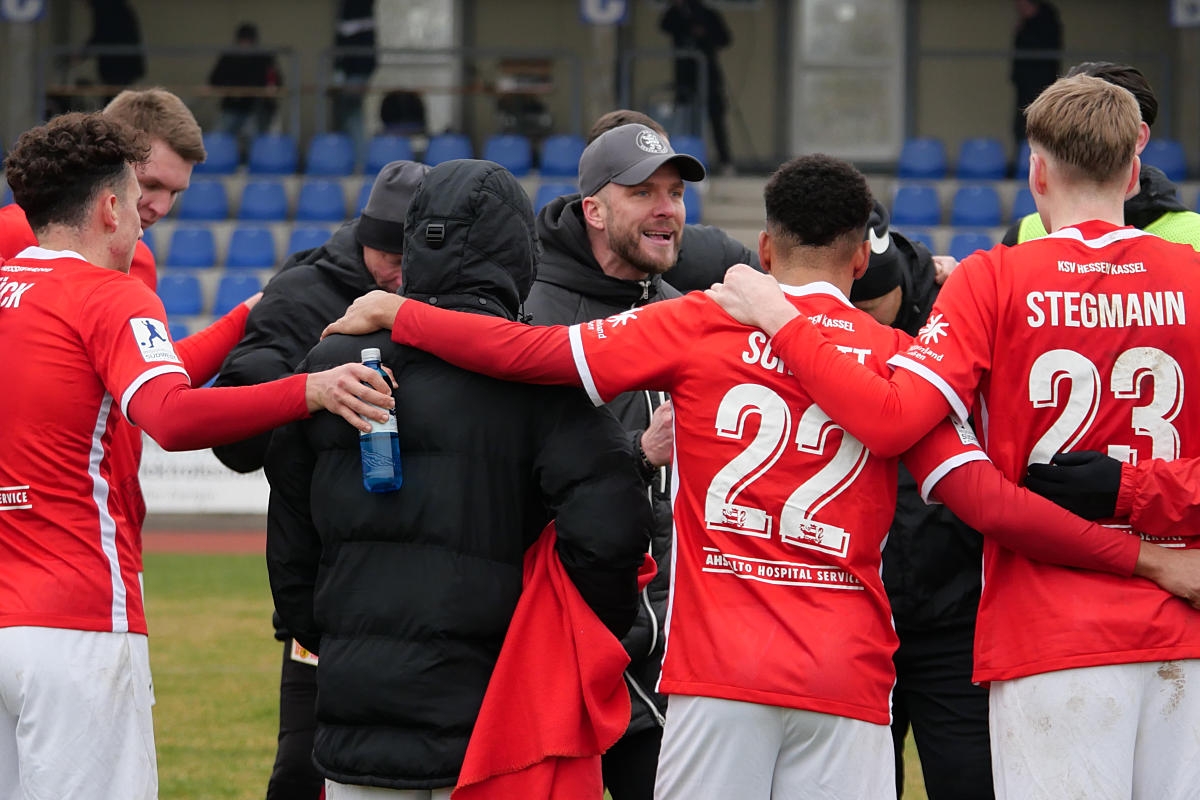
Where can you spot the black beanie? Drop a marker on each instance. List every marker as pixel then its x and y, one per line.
pixel 883 271
pixel 381 225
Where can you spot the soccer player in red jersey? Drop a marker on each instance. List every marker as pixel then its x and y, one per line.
pixel 779 636
pixel 86 346
pixel 1077 341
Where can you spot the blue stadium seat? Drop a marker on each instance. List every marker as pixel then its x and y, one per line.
pixel 548 191
pixel 321 200
pixel 222 154
pixel 692 145
pixel 233 288
pixel 192 246
pixel 178 330
pixel 273 154
pixel 306 237
pixel 1021 170
pixel 967 242
pixel 148 240
pixel 384 149
pixel 180 293
pixel 692 203
pixel 1167 155
pixel 364 194
pixel 204 200
pixel 1023 204
pixel 263 200
pixel 251 246
pixel 976 206
pixel 6 195
pixel 982 158
pixel 560 155
pixel 918 235
pixel 922 157
pixel 511 151
pixel 448 147
pixel 1197 206
pixel 330 154
pixel 916 204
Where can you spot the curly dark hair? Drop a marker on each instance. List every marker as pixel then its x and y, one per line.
pixel 815 201
pixel 1127 77
pixel 56 169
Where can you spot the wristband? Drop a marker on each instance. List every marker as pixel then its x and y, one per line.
pixel 643 458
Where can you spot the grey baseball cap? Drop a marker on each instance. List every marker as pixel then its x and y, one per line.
pixel 381 225
pixel 628 155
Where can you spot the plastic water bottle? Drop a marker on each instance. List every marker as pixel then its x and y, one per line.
pixel 380 448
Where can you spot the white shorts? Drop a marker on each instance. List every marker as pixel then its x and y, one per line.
pixel 75 719
pixel 346 791
pixel 1112 732
pixel 720 749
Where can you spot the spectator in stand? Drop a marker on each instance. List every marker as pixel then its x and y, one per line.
pixel 246 67
pixel 354 28
pixel 1038 29
pixel 694 26
pixel 84 346
pixel 407 596
pixel 1154 203
pixel 115 24
pixel 313 288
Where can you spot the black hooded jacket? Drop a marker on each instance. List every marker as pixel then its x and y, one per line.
pixel 571 288
pixel 407 595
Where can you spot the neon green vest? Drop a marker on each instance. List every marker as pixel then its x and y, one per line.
pixel 1182 227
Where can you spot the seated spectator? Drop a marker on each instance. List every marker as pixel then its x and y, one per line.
pixel 246 114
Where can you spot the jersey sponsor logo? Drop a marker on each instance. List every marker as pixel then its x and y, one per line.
pixel 934 330
pixel 775 571
pixel 965 434
pixel 13 498
pixel 651 142
pixel 1105 310
pixel 11 292
pixel 1102 267
pixel 23 268
pixel 832 322
pixel 152 340
pixel 623 318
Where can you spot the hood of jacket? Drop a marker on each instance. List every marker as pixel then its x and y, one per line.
pixel 918 281
pixel 469 240
pixel 567 259
pixel 1156 196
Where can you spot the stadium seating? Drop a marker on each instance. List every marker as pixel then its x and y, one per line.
pixel 1021 171
pixel 178 330
pixel 692 203
pixel 233 288
pixel 918 235
pixel 692 145
pixel 982 158
pixel 180 293
pixel 550 190
pixel 364 194
pixel 967 242
pixel 976 205
pixel 447 147
pixel 511 151
pixel 273 154
pixel 1023 204
pixel 222 154
pixel 385 148
pixel 251 246
pixel 922 157
pixel 5 195
pixel 560 155
pixel 1167 155
pixel 321 200
pixel 204 200
pixel 147 239
pixel 263 200
pixel 192 246
pixel 306 237
pixel 330 154
pixel 916 204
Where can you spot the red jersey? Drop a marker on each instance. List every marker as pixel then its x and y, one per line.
pixel 16 235
pixel 79 341
pixel 1077 341
pixel 779 515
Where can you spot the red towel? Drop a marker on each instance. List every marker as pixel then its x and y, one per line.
pixel 557 698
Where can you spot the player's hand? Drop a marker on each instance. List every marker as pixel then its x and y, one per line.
pixel 372 312
pixel 1176 571
pixel 341 391
pixel 1085 482
pixel 942 267
pixel 658 440
pixel 251 301
pixel 753 298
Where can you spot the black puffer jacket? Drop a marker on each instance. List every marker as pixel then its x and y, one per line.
pixel 932 563
pixel 407 595
pixel 570 288
pixel 313 289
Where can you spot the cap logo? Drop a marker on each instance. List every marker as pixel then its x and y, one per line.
pixel 879 244
pixel 651 142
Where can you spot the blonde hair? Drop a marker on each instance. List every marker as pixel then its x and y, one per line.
pixel 1087 125
pixel 161 115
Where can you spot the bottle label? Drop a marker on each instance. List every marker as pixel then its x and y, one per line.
pixel 382 427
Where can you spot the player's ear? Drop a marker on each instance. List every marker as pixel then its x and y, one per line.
pixel 594 213
pixel 109 209
pixel 861 259
pixel 765 254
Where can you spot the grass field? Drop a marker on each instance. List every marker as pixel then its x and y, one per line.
pixel 216 677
